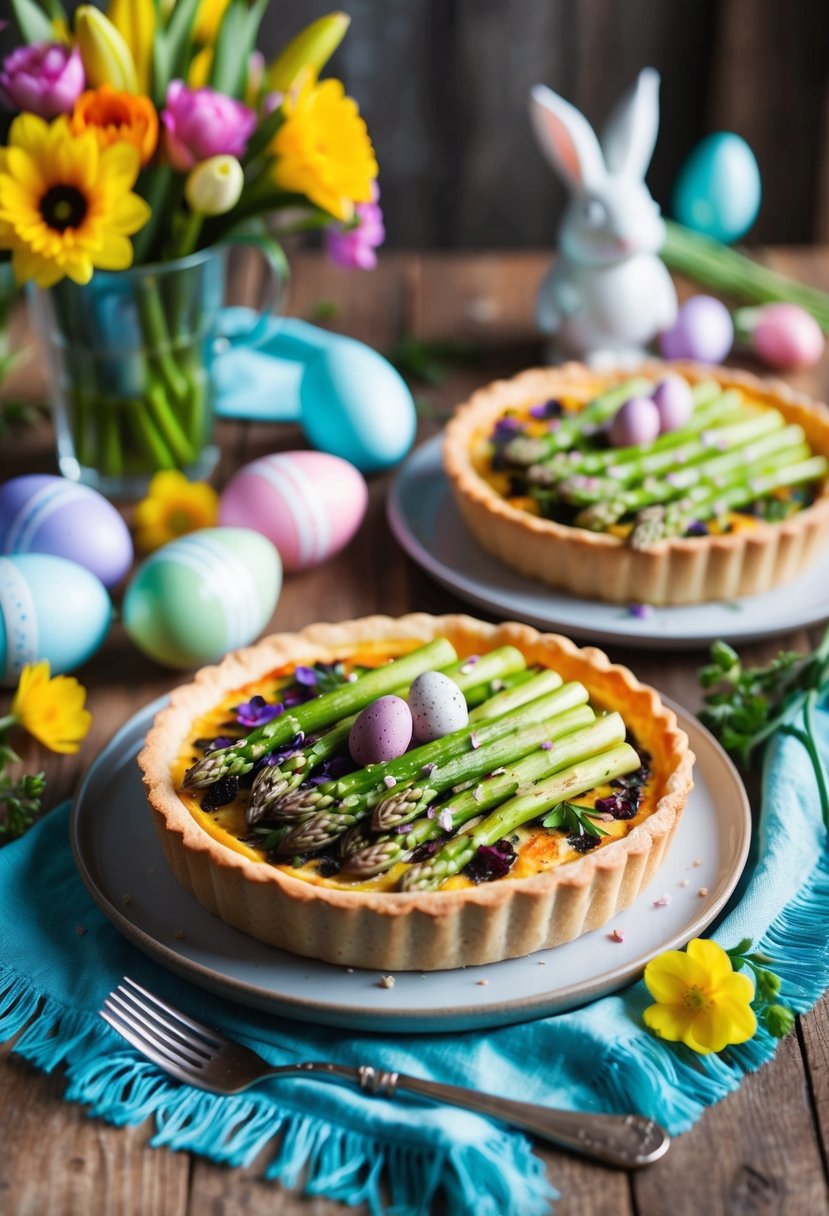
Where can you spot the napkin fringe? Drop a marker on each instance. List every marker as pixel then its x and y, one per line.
pixel 500 1174
pixel 672 1084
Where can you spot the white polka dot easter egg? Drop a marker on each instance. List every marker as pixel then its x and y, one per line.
pixel 44 514
pixel 310 504
pixel 202 595
pixel 50 608
pixel 438 706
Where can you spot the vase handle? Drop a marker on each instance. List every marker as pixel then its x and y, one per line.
pixel 276 286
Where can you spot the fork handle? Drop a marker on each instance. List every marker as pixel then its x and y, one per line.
pixel 622 1140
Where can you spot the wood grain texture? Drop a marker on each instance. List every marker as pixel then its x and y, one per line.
pixel 760 1152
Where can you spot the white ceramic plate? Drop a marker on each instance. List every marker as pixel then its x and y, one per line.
pixel 120 861
pixel 426 522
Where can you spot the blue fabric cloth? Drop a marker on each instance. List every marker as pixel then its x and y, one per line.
pixel 60 956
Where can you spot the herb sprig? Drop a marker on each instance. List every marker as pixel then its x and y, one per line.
pixel 747 705
pixel 575 819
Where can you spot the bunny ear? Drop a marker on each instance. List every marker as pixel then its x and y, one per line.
pixel 566 138
pixel 630 135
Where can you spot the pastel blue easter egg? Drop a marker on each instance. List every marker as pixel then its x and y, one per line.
pixel 44 514
pixel 718 188
pixel 50 608
pixel 202 595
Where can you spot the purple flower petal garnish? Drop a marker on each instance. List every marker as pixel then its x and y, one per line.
pixel 547 409
pixel 491 861
pixel 640 611
pixel 257 711
pixel 219 742
pixel 619 805
pixel 305 675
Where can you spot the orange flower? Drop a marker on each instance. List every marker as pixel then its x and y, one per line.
pixel 117 118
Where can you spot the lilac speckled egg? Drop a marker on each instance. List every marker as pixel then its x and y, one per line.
pixel 635 422
pixel 438 707
pixel 674 402
pixel 786 335
pixel 308 504
pixel 382 731
pixel 45 514
pixel 703 330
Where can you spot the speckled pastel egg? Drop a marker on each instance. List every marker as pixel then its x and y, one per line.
pixel 718 188
pixel 635 422
pixel 381 732
pixel 786 336
pixel 674 402
pixel 309 504
pixel 438 707
pixel 50 608
pixel 44 514
pixel 202 595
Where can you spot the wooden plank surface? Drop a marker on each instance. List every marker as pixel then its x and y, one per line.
pixel 762 1150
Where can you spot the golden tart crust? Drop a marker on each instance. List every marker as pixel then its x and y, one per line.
pixel 419 930
pixel 596 565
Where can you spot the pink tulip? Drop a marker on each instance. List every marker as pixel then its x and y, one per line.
pixel 786 336
pixel 45 79
pixel 200 123
pixel 354 248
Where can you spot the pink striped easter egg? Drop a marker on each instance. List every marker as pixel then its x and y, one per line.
pixel 308 504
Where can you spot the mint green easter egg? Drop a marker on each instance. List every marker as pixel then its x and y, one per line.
pixel 202 595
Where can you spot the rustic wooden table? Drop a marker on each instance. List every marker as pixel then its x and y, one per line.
pixel 762 1150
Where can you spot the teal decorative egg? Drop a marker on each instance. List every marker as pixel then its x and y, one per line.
pixel 718 188
pixel 202 595
pixel 50 608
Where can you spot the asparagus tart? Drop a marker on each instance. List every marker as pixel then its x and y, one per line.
pixel 677 484
pixel 415 793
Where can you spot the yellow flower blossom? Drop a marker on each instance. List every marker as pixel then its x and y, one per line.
pixel 209 16
pixel 701 1000
pixel 323 149
pixel 173 507
pixel 135 21
pixel 52 710
pixel 66 205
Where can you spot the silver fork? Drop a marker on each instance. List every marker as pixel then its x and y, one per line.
pixel 201 1056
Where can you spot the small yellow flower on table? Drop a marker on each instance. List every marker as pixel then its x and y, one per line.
pixel 700 1000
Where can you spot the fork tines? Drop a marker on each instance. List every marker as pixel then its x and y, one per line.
pixel 165 1035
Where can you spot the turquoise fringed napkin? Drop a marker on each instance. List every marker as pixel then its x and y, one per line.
pixel 57 948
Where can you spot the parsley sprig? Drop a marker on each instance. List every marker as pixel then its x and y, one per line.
pixel 747 705
pixel 577 820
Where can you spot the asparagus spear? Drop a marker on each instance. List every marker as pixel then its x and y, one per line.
pixel 318 713
pixel 526 450
pixel 780 447
pixel 705 501
pixel 400 807
pixel 712 407
pixel 376 856
pixel 520 809
pixel 273 782
pixel 349 800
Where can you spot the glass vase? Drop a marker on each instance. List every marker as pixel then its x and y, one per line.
pixel 129 361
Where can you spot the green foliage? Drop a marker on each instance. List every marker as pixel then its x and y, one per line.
pixel 19 800
pixel 575 819
pixel 778 1019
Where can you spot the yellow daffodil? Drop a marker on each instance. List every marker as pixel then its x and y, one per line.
pixel 66 206
pixel 323 149
pixel 209 16
pixel 311 48
pixel 135 22
pixel 106 57
pixel 701 1000
pixel 52 710
pixel 173 507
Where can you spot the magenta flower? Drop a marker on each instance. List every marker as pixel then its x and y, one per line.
pixel 200 123
pixel 45 79
pixel 354 248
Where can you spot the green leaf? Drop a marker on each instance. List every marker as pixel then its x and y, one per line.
pixel 172 48
pixel 569 817
pixel 32 22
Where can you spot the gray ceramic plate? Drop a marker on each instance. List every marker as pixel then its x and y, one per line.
pixel 121 863
pixel 426 523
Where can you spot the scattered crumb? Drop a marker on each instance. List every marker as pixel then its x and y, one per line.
pixel 640 611
pixel 349 970
pixel 482 983
pixel 80 930
pixel 179 934
pixel 151 870
pixel 618 935
pixel 387 981
pixel 542 962
pixel 697 862
pixel 126 899
pixel 702 891
pixel 662 902
pixel 684 883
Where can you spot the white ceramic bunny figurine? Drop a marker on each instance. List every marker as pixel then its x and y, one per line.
pixel 608 293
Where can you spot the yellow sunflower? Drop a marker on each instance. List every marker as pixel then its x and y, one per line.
pixel 66 205
pixel 323 149
pixel 173 507
pixel 52 710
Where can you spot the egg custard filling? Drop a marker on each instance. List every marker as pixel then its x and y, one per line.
pixel 362 792
pixel 673 484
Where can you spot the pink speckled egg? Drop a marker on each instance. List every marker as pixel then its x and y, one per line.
pixel 785 335
pixel 381 732
pixel 40 513
pixel 308 504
